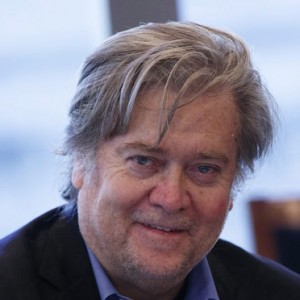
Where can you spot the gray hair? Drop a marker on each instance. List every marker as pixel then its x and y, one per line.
pixel 187 58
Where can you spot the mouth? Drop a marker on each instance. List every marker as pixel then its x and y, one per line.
pixel 161 238
pixel 163 228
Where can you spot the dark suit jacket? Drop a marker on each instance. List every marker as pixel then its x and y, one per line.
pixel 47 259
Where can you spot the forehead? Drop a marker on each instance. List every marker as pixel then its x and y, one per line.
pixel 204 113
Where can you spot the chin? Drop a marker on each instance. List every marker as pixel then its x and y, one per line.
pixel 157 269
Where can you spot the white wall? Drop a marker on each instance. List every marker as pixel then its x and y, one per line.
pixel 42 45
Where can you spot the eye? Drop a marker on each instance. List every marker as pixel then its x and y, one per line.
pixel 142 160
pixel 204 174
pixel 143 166
pixel 204 169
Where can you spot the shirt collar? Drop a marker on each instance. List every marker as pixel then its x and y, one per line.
pixel 105 286
pixel 200 283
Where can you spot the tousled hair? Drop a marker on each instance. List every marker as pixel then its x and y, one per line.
pixel 182 57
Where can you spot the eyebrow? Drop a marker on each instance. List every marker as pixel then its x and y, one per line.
pixel 140 146
pixel 154 149
pixel 213 156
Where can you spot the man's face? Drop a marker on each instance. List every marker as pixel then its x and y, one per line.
pixel 150 214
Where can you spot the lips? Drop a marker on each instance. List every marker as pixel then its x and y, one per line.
pixel 163 223
pixel 160 228
pixel 163 228
pixel 159 236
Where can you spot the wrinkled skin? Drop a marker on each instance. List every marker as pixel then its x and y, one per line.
pixel 151 214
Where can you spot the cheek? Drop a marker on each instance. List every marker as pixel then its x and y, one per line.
pixel 97 216
pixel 123 191
pixel 214 208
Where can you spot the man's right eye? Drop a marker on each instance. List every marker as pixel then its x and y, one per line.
pixel 143 166
pixel 142 160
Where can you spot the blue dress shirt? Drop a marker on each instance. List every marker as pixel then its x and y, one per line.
pixel 200 283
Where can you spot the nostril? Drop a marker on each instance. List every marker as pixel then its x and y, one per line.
pixel 170 197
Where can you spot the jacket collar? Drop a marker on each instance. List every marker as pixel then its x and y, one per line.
pixel 65 268
pixel 226 284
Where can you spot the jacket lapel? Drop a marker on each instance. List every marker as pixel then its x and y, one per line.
pixel 65 269
pixel 226 284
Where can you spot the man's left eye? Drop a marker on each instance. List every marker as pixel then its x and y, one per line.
pixel 205 169
pixel 205 174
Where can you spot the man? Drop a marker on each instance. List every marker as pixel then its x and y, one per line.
pixel 166 122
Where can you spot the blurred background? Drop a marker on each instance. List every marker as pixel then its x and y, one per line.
pixel 42 46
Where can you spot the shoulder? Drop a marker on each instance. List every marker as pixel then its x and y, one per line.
pixel 23 241
pixel 251 275
pixel 21 254
pixel 28 235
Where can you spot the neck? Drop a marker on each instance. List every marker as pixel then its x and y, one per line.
pixel 151 291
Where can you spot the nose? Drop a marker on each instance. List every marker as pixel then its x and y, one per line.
pixel 170 192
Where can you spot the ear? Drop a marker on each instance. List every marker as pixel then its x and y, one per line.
pixel 78 171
